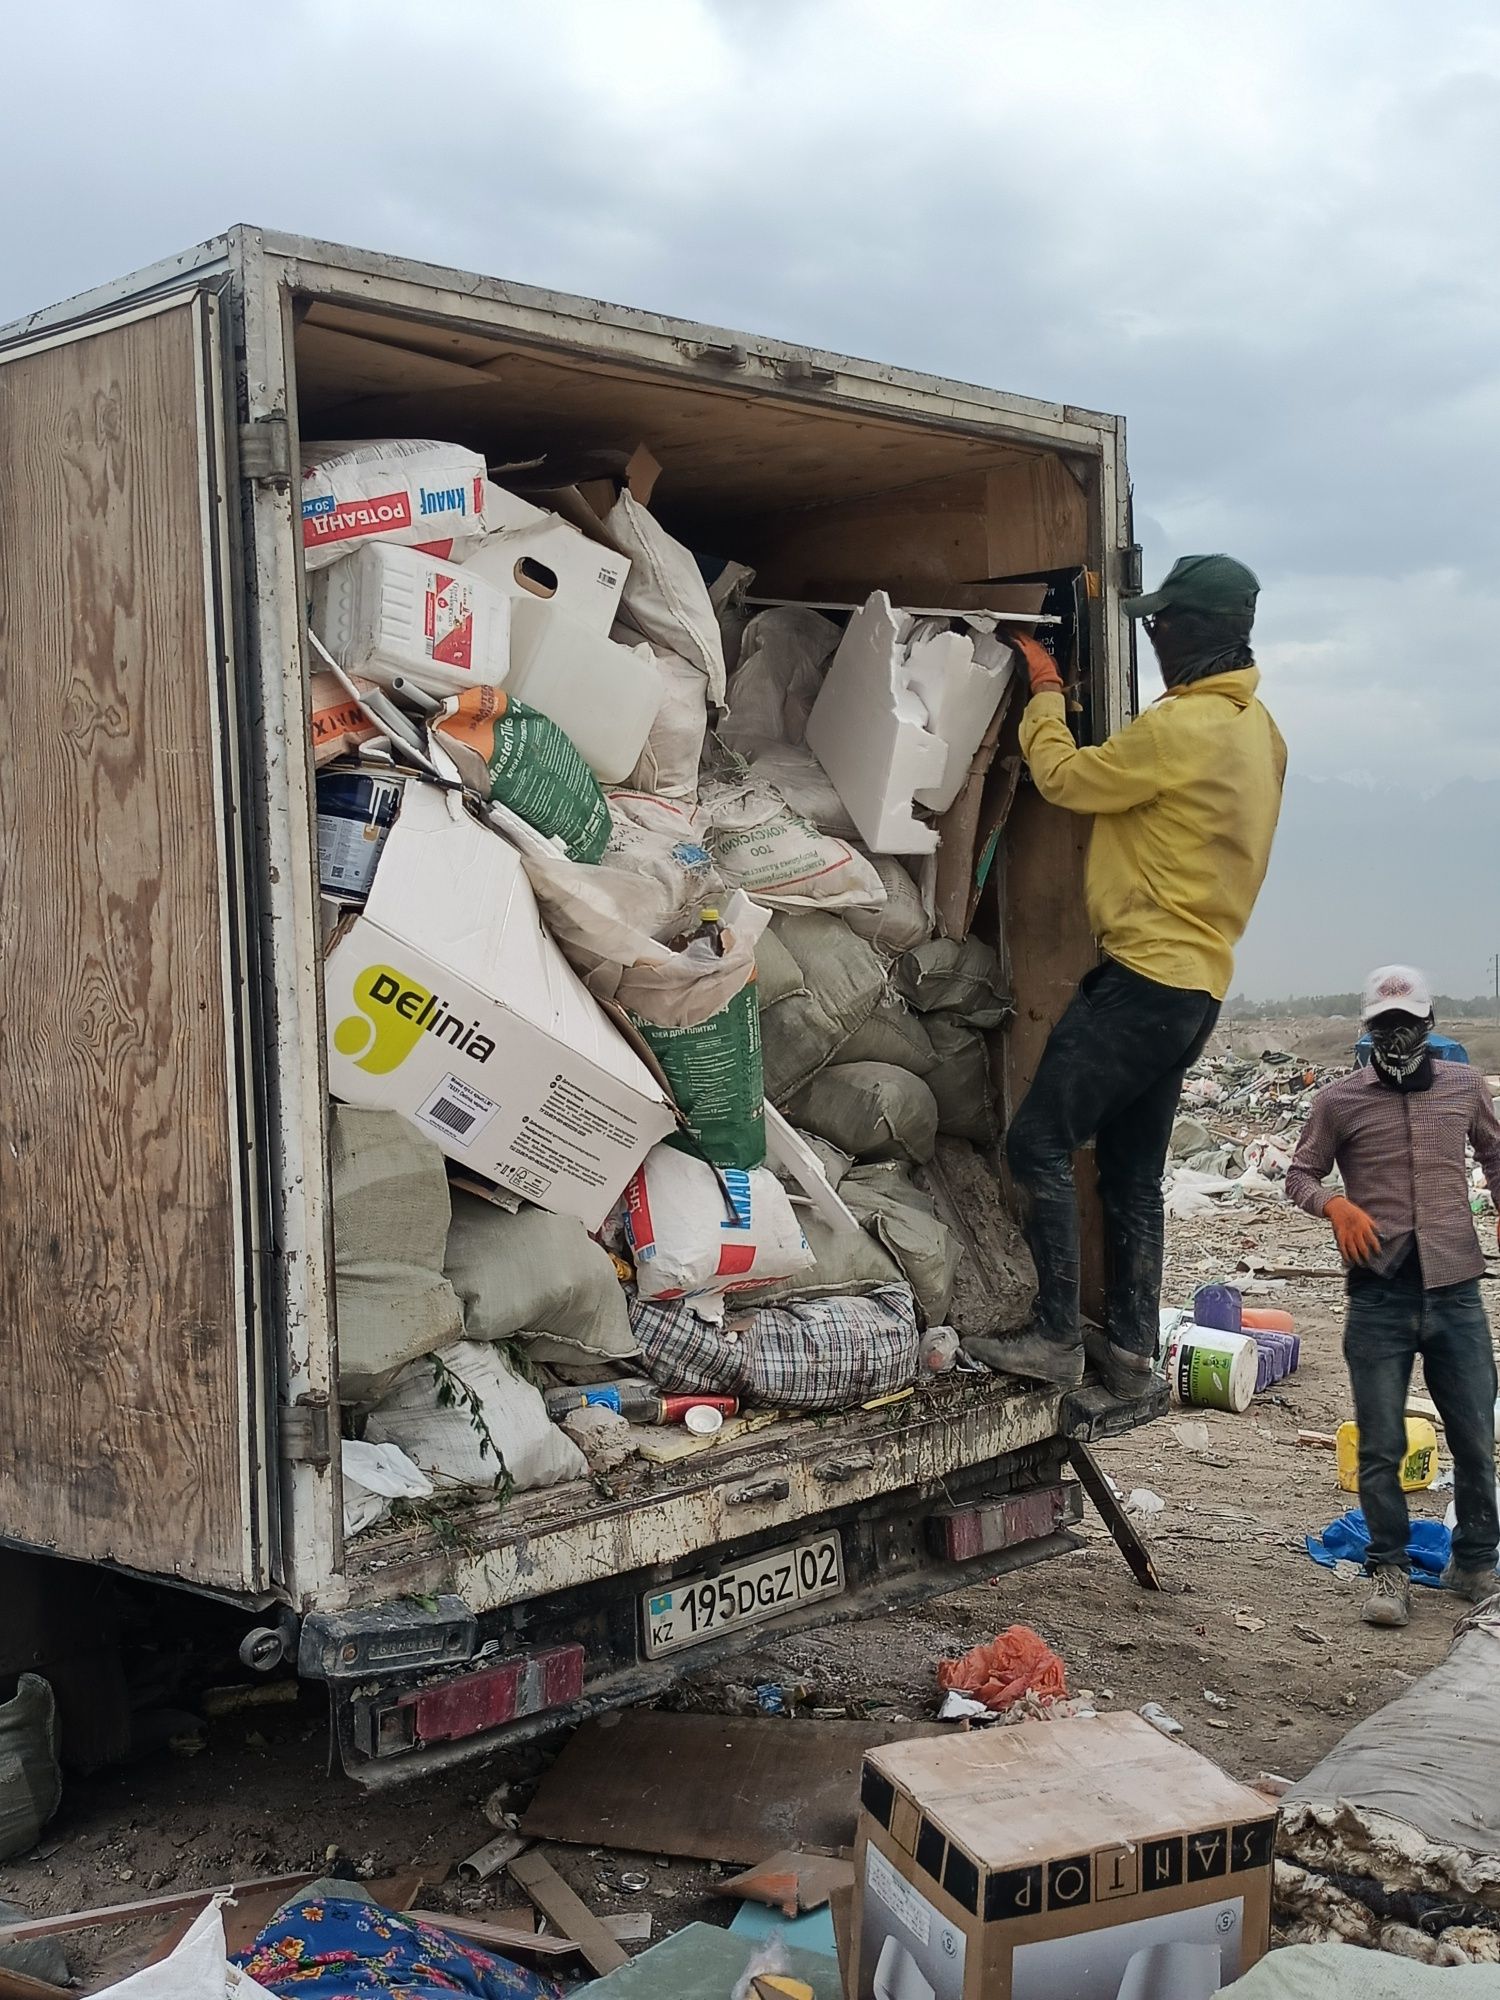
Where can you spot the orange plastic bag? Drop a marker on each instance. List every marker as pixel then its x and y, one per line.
pixel 1016 1662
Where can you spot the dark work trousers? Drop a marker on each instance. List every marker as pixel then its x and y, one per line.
pixel 1112 1072
pixel 1391 1321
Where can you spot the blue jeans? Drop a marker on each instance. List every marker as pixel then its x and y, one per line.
pixel 1389 1325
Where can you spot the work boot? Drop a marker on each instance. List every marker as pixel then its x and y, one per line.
pixel 1475 1585
pixel 1030 1354
pixel 1125 1374
pixel 1389 1602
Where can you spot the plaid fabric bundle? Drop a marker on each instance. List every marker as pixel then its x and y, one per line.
pixel 824 1354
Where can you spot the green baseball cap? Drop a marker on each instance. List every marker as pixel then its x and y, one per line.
pixel 1215 584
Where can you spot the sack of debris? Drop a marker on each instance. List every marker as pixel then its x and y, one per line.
pixel 960 1081
pixel 470 1421
pixel 665 597
pixel 762 845
pixel 955 976
pixel 390 1231
pixel 901 1240
pixel 841 981
pixel 817 1354
pixel 784 654
pixel 894 1034
pixel 871 1110
pixel 695 1228
pixel 901 922
pixel 374 1476
pixel 540 1278
pixel 669 764
pixel 30 1780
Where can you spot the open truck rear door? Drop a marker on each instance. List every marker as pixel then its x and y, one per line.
pixel 132 1392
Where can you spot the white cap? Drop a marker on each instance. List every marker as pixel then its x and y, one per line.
pixel 1397 989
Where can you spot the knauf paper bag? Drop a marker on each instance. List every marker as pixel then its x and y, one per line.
pixel 691 1229
pixel 414 491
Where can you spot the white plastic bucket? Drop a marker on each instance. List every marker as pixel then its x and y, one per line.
pixel 1214 1370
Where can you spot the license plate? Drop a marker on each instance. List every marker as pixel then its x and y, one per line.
pixel 702 1608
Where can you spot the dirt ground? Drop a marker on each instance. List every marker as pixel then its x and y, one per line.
pixel 1259 1654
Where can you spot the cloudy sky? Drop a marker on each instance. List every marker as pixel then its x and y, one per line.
pixel 1268 234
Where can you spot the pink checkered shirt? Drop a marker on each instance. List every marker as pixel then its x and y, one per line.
pixel 1402 1158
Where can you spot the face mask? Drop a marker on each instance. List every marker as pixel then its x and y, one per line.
pixel 1399 1051
pixel 1191 645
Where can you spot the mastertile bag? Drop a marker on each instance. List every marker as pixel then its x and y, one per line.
pixel 507 751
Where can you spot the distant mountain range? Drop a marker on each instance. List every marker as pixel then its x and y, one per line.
pixel 1365 875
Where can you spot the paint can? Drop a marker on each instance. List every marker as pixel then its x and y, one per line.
pixel 356 811
pixel 1213 1369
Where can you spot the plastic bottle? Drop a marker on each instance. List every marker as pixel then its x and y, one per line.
pixel 637 1402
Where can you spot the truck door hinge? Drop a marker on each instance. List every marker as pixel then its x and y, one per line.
pixel 266 450
pixel 722 353
pixel 306 1431
pixel 810 374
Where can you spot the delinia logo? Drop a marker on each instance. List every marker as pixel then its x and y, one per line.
pixel 395 1013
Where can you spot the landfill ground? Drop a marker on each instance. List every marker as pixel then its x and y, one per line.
pixel 1259 1654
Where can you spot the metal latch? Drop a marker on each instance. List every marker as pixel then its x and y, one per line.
pixel 839 1471
pixel 305 1431
pixel 759 1489
pixel 797 368
pixel 266 450
pixel 722 353
pixel 1131 570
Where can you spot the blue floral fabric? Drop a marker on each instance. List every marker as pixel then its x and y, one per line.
pixel 348 1948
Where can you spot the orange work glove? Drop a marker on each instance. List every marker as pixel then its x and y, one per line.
pixel 1039 664
pixel 1354 1231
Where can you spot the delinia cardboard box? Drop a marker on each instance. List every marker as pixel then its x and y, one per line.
pixel 1084 1859
pixel 448 1002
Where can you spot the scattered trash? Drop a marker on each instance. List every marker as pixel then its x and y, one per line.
pixel 1344 1543
pixel 958 1707
pixel 1309 1635
pixel 1142 1501
pixel 1247 1621
pixel 1192 1436
pixel 792 1880
pixel 1157 1716
pixel 492 1857
pixel 1418 1467
pixel 1215 1700
pixel 1017 1662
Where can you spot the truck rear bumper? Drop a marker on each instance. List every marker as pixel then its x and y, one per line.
pixel 914 1545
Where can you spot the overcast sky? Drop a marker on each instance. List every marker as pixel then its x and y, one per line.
pixel 1269 234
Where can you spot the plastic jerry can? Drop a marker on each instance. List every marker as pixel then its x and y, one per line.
pixel 1418 1468
pixel 385 612
pixel 603 696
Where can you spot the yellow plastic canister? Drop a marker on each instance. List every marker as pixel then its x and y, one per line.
pixel 1418 1468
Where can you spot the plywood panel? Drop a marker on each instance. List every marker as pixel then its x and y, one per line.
pixel 1050 946
pixel 122 1350
pixel 725 452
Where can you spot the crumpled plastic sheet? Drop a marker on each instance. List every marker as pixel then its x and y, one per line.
pixel 1017 1662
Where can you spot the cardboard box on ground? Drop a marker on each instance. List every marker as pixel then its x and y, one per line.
pixel 1082 1859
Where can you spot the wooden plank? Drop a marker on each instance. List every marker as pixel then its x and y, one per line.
pixel 1048 946
pixel 108 1914
pixel 21 1986
pixel 509 1939
pixel 708 1788
pixel 1113 1515
pixel 560 1906
pixel 122 1362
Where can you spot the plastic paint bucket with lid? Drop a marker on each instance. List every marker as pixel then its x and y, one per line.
pixel 1213 1369
pixel 356 810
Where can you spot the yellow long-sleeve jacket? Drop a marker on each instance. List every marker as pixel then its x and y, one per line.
pixel 1185 801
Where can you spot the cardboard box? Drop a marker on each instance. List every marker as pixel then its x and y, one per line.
pixel 1085 1859
pixel 535 555
pixel 448 1002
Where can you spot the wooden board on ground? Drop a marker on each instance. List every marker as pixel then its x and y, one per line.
pixel 560 1905
pixel 708 1787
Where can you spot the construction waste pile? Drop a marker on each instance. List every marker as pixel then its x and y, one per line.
pixel 1237 1129
pixel 654 1017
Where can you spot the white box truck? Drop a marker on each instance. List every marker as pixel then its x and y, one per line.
pixel 169 1376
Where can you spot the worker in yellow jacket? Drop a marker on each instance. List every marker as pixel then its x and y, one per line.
pixel 1184 802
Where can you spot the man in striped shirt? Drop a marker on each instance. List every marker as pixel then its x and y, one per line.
pixel 1397 1133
